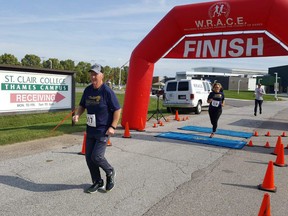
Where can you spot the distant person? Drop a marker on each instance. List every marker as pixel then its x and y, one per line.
pixel 103 113
pixel 216 100
pixel 259 92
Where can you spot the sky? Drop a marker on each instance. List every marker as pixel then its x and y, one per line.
pixel 95 31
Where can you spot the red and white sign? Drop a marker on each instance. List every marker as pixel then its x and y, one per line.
pixel 35 97
pixel 227 46
pixel 29 91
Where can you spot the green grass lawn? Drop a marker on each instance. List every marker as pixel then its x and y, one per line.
pixel 25 127
pixel 246 95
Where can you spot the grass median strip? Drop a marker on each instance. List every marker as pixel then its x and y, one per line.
pixel 25 127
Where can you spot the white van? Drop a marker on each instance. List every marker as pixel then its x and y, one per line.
pixel 186 93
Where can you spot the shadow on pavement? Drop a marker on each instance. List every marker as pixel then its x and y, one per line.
pixel 18 182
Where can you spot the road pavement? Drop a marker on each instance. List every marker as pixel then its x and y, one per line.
pixel 155 176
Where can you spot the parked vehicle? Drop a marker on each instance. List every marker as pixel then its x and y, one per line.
pixel 186 93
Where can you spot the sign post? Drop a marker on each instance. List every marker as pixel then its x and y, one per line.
pixel 276 86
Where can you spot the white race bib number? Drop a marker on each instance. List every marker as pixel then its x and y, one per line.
pixel 215 103
pixel 91 120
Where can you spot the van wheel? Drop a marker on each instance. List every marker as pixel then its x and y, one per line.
pixel 198 108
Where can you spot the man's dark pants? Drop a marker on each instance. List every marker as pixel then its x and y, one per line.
pixel 95 156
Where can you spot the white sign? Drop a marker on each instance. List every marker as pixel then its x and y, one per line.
pixel 276 87
pixel 28 91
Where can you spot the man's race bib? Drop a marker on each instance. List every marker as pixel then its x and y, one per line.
pixel 91 120
pixel 215 103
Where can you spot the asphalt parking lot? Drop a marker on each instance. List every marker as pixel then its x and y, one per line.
pixel 155 176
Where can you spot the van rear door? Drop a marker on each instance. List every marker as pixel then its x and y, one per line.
pixel 183 94
pixel 170 93
pixel 177 93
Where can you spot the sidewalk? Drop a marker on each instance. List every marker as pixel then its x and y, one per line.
pixel 155 176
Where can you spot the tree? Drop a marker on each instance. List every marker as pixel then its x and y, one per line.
pixel 115 75
pixel 47 64
pixel 9 59
pixel 53 63
pixel 108 73
pixel 31 61
pixel 68 65
pixel 124 75
pixel 82 75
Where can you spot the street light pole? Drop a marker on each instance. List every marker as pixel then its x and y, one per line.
pixel 120 78
pixel 120 74
pixel 276 86
pixel 239 85
pixel 50 61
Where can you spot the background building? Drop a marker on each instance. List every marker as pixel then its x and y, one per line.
pixel 231 79
pixel 282 78
pixel 234 79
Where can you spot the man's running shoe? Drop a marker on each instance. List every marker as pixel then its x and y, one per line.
pixel 94 187
pixel 110 183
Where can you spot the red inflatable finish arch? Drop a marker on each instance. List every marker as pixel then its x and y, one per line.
pixel 174 37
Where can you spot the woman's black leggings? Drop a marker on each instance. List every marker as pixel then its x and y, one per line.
pixel 258 102
pixel 214 115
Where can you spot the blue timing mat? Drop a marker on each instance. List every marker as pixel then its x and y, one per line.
pixel 219 131
pixel 235 144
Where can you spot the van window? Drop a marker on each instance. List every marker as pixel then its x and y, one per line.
pixel 171 86
pixel 183 86
pixel 206 87
pixel 209 86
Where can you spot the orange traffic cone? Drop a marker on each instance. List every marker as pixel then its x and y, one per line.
pixel 265 209
pixel 178 119
pixel 176 115
pixel 268 182
pixel 109 143
pixel 284 134
pixel 127 131
pixel 276 149
pixel 267 145
pixel 161 123
pixel 187 118
pixel 250 144
pixel 141 129
pixel 280 161
pixel 256 133
pixel 155 125
pixel 268 134
pixel 83 151
pixel 183 119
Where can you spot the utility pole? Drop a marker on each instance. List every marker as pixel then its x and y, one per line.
pixel 50 63
pixel 120 74
pixel 276 86
pixel 239 85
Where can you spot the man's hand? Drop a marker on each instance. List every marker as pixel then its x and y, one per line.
pixel 110 131
pixel 75 118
